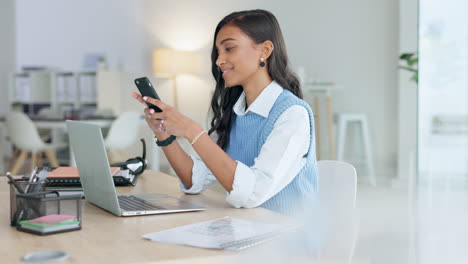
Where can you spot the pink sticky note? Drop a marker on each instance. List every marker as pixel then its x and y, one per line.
pixel 52 219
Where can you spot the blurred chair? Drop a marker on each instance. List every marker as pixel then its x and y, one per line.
pixel 25 137
pixel 123 133
pixel 344 120
pixel 47 113
pixel 337 181
pixel 337 191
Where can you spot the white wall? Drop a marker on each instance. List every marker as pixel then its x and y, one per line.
pixel 7 49
pixel 59 33
pixel 353 43
pixel 407 91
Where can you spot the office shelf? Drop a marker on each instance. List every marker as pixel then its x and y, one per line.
pixel 60 90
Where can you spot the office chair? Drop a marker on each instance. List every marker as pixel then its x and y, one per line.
pixel 123 133
pixel 337 191
pixel 25 137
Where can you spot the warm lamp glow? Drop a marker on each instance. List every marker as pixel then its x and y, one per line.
pixel 170 62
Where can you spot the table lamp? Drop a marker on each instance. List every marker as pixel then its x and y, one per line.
pixel 171 62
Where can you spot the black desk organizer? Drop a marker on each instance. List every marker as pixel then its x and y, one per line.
pixel 31 205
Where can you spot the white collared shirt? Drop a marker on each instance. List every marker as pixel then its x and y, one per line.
pixel 280 158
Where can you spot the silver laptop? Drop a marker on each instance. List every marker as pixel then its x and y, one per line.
pixel 96 179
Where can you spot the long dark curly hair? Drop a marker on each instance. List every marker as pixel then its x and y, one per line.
pixel 260 26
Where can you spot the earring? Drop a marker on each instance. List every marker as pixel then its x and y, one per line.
pixel 262 63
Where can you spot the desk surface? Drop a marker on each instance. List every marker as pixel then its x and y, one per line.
pixel 52 119
pixel 106 238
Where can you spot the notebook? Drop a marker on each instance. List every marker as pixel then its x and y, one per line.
pixel 69 177
pixel 225 233
pixel 50 224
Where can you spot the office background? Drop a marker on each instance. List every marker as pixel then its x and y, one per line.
pixel 354 44
pixel 414 214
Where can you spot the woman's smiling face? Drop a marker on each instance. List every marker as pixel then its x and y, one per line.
pixel 238 55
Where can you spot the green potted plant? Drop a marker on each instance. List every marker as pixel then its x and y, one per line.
pixel 411 60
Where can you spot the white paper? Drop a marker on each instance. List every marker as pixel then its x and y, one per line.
pixel 215 234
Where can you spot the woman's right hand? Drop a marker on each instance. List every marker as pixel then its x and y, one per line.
pixel 154 124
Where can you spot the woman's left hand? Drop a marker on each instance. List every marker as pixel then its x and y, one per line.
pixel 172 120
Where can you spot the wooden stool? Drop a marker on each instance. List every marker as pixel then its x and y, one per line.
pixel 344 119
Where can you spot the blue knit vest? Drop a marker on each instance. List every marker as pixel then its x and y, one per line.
pixel 248 134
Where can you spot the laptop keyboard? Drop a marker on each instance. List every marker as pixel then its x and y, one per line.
pixel 133 203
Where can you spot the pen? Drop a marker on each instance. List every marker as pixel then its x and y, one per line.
pixel 20 190
pixel 39 179
pixel 31 178
pixel 43 174
pixel 32 174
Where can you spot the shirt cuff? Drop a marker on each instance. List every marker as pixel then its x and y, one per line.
pixel 199 174
pixel 242 187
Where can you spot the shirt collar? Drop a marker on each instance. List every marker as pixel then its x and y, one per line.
pixel 264 102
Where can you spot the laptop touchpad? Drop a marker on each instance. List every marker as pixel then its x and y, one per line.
pixel 165 201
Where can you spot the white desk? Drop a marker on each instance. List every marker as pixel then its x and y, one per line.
pixel 58 127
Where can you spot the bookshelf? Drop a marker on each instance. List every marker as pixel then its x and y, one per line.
pixel 60 91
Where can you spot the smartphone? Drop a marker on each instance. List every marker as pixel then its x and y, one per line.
pixel 146 89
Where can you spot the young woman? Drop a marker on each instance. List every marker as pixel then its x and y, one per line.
pixel 264 152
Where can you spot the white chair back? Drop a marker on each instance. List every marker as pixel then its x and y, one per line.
pixel 23 133
pixel 123 132
pixel 337 189
pixel 337 181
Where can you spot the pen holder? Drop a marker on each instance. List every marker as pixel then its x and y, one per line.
pixel 43 212
pixel 31 210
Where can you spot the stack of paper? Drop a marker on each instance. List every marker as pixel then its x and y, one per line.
pixel 50 224
pixel 225 233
